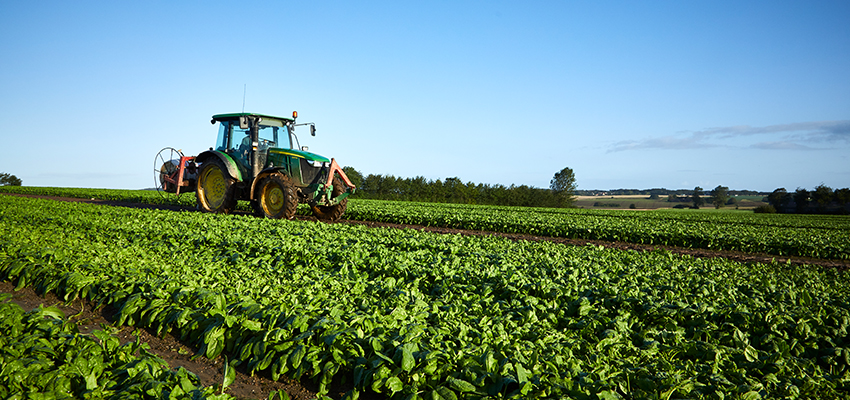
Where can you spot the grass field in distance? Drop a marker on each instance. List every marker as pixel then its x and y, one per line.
pixel 643 202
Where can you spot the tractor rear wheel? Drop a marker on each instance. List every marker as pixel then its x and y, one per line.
pixel 275 197
pixel 332 213
pixel 215 192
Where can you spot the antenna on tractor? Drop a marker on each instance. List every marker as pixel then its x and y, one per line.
pixel 244 90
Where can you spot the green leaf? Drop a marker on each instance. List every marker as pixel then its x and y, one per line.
pixel 521 373
pixel 91 381
pixel 460 385
pixel 751 354
pixel 383 356
pixel 394 384
pixel 609 395
pixel 442 393
pixel 214 339
pixel 252 325
pixel 751 395
pixel 490 363
pixel 407 359
pixel 52 311
pixel 229 373
pixel 296 356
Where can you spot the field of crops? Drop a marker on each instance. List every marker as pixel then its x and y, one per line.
pixel 45 357
pixel 819 236
pixel 811 236
pixel 416 315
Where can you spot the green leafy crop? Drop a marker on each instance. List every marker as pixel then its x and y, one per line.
pixel 820 236
pixel 44 357
pixel 415 315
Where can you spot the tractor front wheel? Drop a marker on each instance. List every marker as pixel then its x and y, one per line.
pixel 275 197
pixel 215 188
pixel 332 213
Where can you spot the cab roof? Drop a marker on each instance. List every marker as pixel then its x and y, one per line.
pixel 220 117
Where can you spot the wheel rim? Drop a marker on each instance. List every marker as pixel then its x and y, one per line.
pixel 214 187
pixel 273 199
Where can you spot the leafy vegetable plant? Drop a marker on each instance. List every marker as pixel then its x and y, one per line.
pixel 416 315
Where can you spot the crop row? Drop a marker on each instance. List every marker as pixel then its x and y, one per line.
pixel 418 315
pixel 43 356
pixel 809 236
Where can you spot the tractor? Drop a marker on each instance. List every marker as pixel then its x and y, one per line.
pixel 257 158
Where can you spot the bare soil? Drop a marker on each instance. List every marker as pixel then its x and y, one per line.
pixel 259 386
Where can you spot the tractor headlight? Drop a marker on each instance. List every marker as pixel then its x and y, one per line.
pixel 316 164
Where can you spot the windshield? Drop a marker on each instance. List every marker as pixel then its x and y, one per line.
pixel 273 136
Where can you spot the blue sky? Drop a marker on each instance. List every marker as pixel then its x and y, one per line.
pixel 744 94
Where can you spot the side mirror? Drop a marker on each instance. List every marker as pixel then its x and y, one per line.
pixel 312 130
pixel 243 123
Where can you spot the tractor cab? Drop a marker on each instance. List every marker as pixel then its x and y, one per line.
pixel 234 139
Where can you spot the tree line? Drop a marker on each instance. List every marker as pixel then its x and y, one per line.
pixel 454 190
pixel 657 192
pixel 821 200
pixel 718 197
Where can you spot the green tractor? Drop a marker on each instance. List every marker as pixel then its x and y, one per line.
pixel 257 158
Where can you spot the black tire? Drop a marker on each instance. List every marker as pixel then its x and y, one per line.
pixel 332 213
pixel 275 197
pixel 167 169
pixel 215 191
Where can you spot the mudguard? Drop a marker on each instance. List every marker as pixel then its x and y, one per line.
pixel 229 163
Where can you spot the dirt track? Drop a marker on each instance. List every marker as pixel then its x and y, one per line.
pixel 259 387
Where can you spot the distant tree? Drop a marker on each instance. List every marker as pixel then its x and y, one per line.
pixel 371 184
pixel 355 176
pixel 653 196
pixel 778 198
pixel 842 196
pixel 822 195
pixel 563 184
pixel 9 180
pixel 697 197
pixel 671 198
pixel 732 201
pixel 801 198
pixel 455 190
pixel 719 196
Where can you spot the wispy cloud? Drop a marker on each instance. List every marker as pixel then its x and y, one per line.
pixel 781 145
pixel 666 142
pixel 796 136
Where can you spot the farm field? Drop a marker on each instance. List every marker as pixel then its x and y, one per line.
pixel 818 236
pixel 412 314
pixel 623 202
